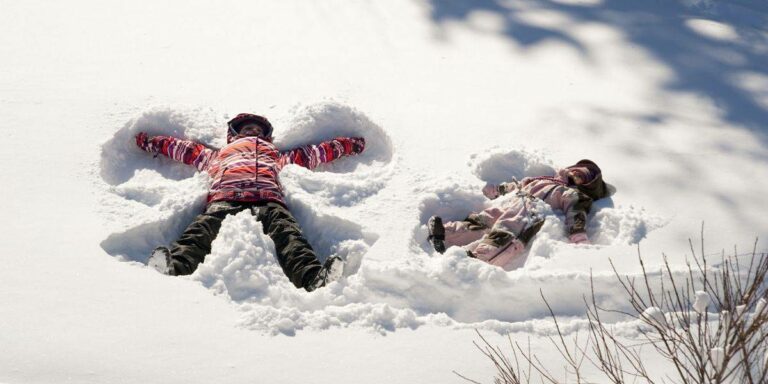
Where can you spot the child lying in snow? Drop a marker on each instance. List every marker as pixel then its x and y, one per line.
pixel 500 233
pixel 244 177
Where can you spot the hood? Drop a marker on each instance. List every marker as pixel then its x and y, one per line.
pixel 233 126
pixel 596 188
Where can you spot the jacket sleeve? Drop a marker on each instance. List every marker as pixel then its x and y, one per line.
pixel 185 151
pixel 310 156
pixel 508 187
pixel 576 206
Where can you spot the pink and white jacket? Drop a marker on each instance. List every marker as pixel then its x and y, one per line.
pixel 246 168
pixel 555 191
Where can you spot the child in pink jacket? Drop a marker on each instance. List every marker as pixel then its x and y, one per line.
pixel 500 233
pixel 244 176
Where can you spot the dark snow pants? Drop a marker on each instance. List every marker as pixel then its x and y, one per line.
pixel 294 253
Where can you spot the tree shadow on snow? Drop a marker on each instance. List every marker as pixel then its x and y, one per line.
pixel 701 63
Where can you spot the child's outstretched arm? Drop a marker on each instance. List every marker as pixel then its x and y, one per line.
pixel 310 156
pixel 576 207
pixel 185 151
pixel 492 191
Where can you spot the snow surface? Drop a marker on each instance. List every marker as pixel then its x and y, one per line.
pixel 669 97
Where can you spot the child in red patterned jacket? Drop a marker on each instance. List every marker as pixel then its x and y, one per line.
pixel 244 176
pixel 498 234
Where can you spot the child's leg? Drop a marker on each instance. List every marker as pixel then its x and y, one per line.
pixel 472 228
pixel 195 243
pixel 294 253
pixel 510 233
pixel 461 233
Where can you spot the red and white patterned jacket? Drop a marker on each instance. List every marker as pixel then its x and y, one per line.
pixel 246 168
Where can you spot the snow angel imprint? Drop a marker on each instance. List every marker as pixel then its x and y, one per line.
pixel 499 234
pixel 244 177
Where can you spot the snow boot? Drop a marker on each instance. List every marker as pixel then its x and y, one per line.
pixel 160 260
pixel 436 233
pixel 330 272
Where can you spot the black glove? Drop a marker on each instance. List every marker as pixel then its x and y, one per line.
pixel 142 141
pixel 358 145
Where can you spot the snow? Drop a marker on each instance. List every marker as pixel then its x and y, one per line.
pixel 717 355
pixel 655 315
pixel 760 306
pixel 666 96
pixel 713 29
pixel 701 302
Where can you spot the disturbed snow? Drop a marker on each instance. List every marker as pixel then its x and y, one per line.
pixel 151 201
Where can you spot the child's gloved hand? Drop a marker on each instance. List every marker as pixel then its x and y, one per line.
pixel 358 145
pixel 579 238
pixel 491 191
pixel 142 141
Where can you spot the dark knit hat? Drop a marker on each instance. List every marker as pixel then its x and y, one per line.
pixel 595 188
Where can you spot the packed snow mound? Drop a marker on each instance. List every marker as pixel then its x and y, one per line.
pixel 153 199
pixel 120 157
pixel 325 121
pixel 498 166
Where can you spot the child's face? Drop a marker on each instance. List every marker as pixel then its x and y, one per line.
pixel 578 175
pixel 250 130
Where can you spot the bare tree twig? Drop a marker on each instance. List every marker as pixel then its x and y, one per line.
pixel 728 344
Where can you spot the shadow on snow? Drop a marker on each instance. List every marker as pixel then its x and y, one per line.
pixel 700 64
